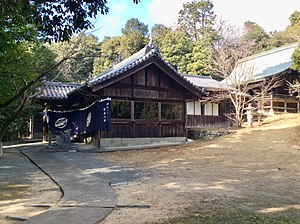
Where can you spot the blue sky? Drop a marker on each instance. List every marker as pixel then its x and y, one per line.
pixel 270 14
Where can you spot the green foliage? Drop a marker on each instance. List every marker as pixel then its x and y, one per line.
pixel 293 35
pixel 54 20
pixel 24 61
pixel 176 49
pixel 171 111
pixel 115 49
pixel 255 34
pixel 146 111
pixel 109 53
pixel 158 33
pixel 295 18
pixel 21 64
pixel 292 32
pixel 197 21
pixel 197 18
pixel 134 25
pixel 134 37
pixel 81 52
pixel 296 60
pixel 201 58
pixel 277 39
pixel 13 25
pixel 263 41
pixel 121 109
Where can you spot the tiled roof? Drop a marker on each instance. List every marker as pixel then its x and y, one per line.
pixel 206 82
pixel 131 62
pixel 52 90
pixel 124 65
pixel 263 65
pixel 56 90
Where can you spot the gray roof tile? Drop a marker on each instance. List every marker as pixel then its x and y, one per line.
pixel 129 63
pixel 263 65
pixel 206 82
pixel 56 90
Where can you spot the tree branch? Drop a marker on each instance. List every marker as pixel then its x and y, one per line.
pixel 30 84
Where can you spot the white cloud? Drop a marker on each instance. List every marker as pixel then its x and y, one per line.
pixel 113 22
pixel 119 7
pixel 271 15
pixel 165 11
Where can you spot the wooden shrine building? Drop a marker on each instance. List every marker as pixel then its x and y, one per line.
pixel 148 100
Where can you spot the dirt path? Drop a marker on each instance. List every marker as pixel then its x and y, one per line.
pixel 22 185
pixel 253 174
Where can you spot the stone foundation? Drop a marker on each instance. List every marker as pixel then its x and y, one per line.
pixel 206 134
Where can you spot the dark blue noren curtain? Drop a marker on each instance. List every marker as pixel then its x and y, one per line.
pixel 96 117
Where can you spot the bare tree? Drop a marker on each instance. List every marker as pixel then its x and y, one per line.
pixel 294 87
pixel 232 65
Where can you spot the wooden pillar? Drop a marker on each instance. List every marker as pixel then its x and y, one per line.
pixel 49 137
pixel 285 106
pixel 31 123
pixel 132 119
pixel 99 139
pixel 298 107
pixel 45 125
pixel 44 134
pixel 159 119
pixel 271 104
pixel 132 110
pixel 185 119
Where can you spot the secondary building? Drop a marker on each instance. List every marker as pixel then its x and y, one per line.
pixel 272 65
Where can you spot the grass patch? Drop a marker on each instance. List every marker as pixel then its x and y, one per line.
pixel 239 217
pixel 13 191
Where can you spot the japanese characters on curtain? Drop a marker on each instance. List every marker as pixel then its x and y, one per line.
pixel 95 117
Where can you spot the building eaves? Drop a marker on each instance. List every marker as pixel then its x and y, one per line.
pixel 56 90
pixel 124 65
pixel 133 61
pixel 262 65
pixel 206 82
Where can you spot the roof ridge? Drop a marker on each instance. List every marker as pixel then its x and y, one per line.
pixel 198 76
pixel 62 83
pixel 126 64
pixel 144 51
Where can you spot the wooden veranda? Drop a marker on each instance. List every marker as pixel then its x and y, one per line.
pixel 278 103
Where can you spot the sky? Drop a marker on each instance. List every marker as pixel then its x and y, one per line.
pixel 271 15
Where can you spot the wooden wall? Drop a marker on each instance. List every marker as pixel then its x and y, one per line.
pixel 204 121
pixel 147 84
pixel 211 121
pixel 145 130
pixel 150 84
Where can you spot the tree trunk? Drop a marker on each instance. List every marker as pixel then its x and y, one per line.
pixel 2 133
pixel 9 120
